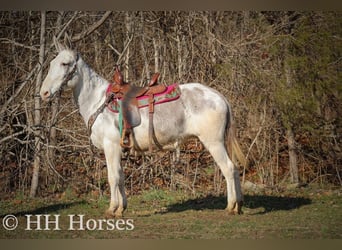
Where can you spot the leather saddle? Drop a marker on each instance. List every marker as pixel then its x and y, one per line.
pixel 129 95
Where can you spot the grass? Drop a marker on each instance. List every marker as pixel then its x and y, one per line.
pixel 158 214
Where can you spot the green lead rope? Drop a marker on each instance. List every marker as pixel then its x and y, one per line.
pixel 120 118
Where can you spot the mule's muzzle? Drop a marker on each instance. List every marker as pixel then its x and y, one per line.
pixel 45 95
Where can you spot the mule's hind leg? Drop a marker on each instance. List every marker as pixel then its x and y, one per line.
pixel 231 174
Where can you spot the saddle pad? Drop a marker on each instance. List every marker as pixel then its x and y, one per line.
pixel 171 93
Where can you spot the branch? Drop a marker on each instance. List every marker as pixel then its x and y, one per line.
pixel 124 50
pixel 18 90
pixel 6 40
pixel 12 136
pixel 92 28
pixel 64 28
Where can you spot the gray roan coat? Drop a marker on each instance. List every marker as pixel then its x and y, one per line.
pixel 200 111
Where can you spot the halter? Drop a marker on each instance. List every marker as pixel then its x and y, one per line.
pixel 70 75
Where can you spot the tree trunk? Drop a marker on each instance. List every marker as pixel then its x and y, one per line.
pixel 37 117
pixel 156 55
pixel 143 50
pixel 292 156
pixel 290 134
pixel 210 26
pixel 54 106
pixel 128 22
pixel 179 57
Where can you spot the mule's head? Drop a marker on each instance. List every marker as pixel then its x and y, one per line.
pixel 62 71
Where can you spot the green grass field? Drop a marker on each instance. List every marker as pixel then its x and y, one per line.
pixel 305 213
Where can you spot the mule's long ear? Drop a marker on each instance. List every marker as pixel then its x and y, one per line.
pixel 58 45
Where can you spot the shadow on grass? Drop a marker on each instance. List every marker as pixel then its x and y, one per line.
pixel 48 209
pixel 268 203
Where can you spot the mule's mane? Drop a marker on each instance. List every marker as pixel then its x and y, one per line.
pixel 89 91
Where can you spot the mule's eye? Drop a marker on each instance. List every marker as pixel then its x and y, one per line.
pixel 65 64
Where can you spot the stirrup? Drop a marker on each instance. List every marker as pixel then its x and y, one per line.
pixel 126 141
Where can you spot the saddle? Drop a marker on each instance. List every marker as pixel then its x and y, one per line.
pixel 129 95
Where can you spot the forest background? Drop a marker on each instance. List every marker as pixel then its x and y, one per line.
pixel 281 72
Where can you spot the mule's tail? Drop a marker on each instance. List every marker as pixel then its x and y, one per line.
pixel 234 149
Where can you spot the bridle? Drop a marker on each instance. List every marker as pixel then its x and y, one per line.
pixel 70 75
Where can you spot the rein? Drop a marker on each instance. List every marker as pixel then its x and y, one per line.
pixel 93 117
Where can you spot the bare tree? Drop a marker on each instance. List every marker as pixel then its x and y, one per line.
pixel 37 113
pixel 289 126
pixel 54 107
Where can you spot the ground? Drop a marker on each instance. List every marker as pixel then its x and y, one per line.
pixel 303 213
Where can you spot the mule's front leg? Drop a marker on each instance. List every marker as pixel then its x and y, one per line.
pixel 118 200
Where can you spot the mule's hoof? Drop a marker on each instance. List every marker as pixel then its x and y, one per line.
pixel 118 214
pixel 109 214
pixel 233 212
pixel 234 209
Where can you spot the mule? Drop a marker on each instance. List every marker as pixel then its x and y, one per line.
pixel 200 111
